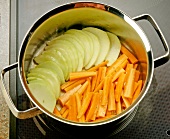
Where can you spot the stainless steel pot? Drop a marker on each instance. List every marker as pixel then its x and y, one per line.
pixel 85 14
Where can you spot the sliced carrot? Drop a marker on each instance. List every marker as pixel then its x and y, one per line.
pixel 81 74
pixel 119 87
pixel 102 108
pixel 63 109
pixel 82 119
pixel 103 118
pixel 66 84
pixel 98 66
pixel 93 84
pixel 118 107
pixel 64 98
pixel 137 75
pixel 98 77
pixel 128 68
pixel 135 66
pixel 129 86
pixel 138 90
pixel 100 86
pixel 103 73
pixel 88 89
pixel 56 112
pixel 72 115
pixel 94 105
pixel 130 56
pixel 106 88
pixel 111 103
pixel 65 114
pixel 126 101
pixel 123 64
pixel 78 101
pixel 82 89
pixel 117 74
pixel 70 87
pixel 117 63
pixel 85 104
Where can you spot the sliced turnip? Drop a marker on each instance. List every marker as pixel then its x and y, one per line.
pixel 115 46
pixel 104 43
pixel 85 40
pixel 43 94
pixel 96 49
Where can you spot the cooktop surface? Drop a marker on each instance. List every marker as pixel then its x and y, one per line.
pixel 152 117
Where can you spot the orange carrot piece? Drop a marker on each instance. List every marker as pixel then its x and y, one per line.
pixel 103 118
pixel 82 119
pixel 64 98
pixel 85 104
pixel 56 112
pixel 72 114
pixel 98 76
pixel 65 114
pixel 98 66
pixel 66 84
pixel 78 82
pixel 106 88
pixel 78 101
pixel 137 75
pixel 117 74
pixel 82 89
pixel 93 84
pixel 129 86
pixel 88 89
pixel 99 87
pixel 117 63
pixel 111 103
pixel 138 90
pixel 126 101
pixel 118 107
pixel 135 66
pixel 102 108
pixel 119 87
pixel 81 74
pixel 123 64
pixel 94 105
pixel 130 56
pixel 63 109
pixel 103 73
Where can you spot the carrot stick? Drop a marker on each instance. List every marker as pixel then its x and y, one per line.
pixel 63 109
pixel 81 74
pixel 111 103
pixel 98 76
pixel 65 114
pixel 119 87
pixel 106 90
pixel 118 107
pixel 130 56
pixel 117 63
pixel 74 84
pixel 123 64
pixel 82 118
pixel 66 84
pixel 94 105
pixel 117 74
pixel 137 75
pixel 93 84
pixel 64 98
pixel 103 73
pixel 85 104
pixel 98 66
pixel 126 101
pixel 82 89
pixel 88 89
pixel 56 112
pixel 128 68
pixel 129 86
pixel 137 92
pixel 102 108
pixel 99 87
pixel 78 101
pixel 72 114
pixel 103 118
pixel 135 66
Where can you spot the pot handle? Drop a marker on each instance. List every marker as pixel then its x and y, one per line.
pixel 19 114
pixel 164 58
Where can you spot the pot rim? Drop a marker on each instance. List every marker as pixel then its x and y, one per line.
pixel 110 9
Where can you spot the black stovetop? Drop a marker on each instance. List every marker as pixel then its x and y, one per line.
pixel 152 119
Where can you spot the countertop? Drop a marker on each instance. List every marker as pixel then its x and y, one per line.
pixel 4 61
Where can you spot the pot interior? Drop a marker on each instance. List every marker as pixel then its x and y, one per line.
pixel 69 16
